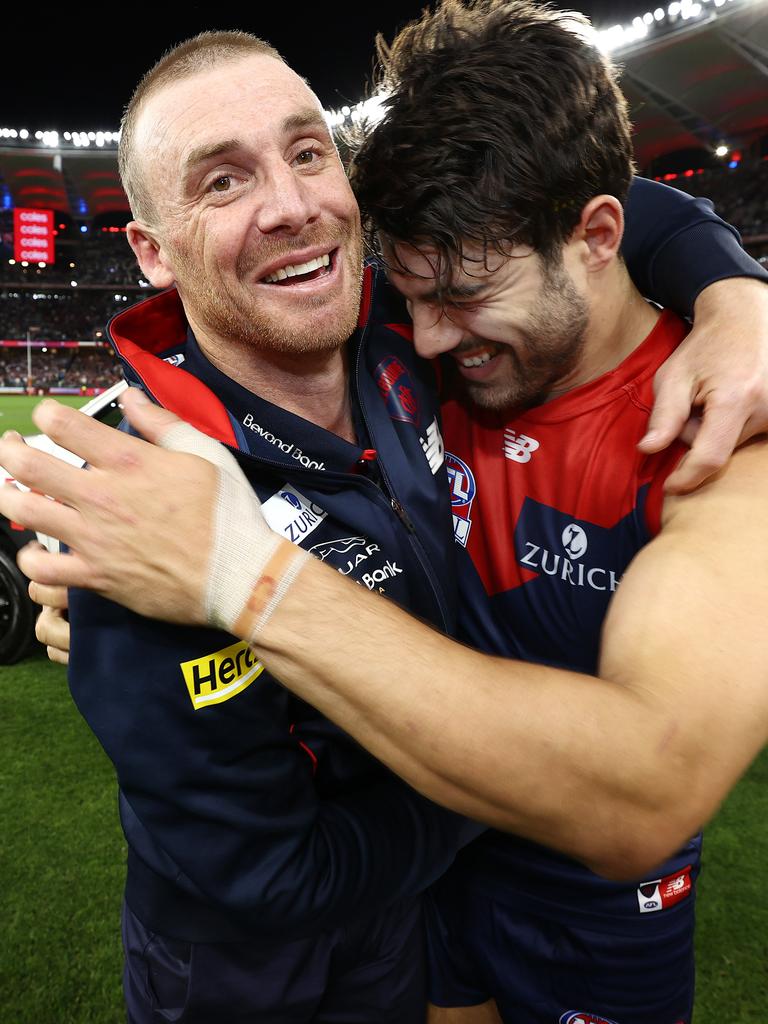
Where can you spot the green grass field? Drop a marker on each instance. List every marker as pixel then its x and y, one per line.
pixel 16 410
pixel 62 854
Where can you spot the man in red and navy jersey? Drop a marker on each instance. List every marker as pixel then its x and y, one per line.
pixel 547 393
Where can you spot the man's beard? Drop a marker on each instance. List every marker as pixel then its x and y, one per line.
pixel 244 320
pixel 554 340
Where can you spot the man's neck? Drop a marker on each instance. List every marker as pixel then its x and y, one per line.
pixel 311 385
pixel 620 320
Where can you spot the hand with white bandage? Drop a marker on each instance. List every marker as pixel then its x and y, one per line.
pixel 171 529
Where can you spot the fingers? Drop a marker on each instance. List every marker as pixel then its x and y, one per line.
pixel 55 570
pixel 39 470
pixel 669 414
pixel 36 512
pixel 95 443
pixel 151 421
pixel 52 629
pixel 718 435
pixel 52 597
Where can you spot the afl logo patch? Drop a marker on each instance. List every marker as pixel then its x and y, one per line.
pixel 397 389
pixel 463 489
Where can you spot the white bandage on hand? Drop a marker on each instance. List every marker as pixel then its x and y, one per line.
pixel 250 568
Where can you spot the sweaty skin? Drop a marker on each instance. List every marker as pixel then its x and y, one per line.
pixel 579 763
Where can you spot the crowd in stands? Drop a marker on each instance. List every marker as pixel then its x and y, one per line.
pixel 97 257
pixel 740 194
pixel 59 368
pixel 59 314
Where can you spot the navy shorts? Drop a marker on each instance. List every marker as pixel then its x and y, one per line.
pixel 542 968
pixel 368 972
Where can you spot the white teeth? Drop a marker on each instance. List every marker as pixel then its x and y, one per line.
pixel 293 270
pixel 477 360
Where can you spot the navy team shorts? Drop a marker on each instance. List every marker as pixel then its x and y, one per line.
pixel 368 972
pixel 542 967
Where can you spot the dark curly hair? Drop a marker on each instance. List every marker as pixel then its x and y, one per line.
pixel 503 120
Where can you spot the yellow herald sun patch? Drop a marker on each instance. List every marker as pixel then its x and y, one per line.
pixel 217 677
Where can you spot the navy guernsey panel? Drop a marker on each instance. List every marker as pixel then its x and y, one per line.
pixel 245 811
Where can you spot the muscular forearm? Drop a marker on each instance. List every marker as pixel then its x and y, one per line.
pixel 617 771
pixel 552 755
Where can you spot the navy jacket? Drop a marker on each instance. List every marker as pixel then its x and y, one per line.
pixel 245 811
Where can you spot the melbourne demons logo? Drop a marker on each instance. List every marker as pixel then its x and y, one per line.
pixel 463 489
pixel 397 390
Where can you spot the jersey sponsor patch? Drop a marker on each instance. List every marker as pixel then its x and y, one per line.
pixel 221 675
pixel 579 1017
pixel 664 892
pixel 396 388
pixel 292 514
pixel 461 480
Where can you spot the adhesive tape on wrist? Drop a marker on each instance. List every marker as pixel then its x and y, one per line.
pixel 250 567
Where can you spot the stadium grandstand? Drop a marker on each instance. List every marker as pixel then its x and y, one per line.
pixel 695 75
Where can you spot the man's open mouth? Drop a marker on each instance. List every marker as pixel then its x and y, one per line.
pixel 295 273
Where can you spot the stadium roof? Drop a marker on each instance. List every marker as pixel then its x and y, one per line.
pixel 701 86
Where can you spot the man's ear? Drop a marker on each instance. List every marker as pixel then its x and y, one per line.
pixel 150 255
pixel 601 227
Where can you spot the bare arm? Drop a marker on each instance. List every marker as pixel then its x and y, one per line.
pixel 616 770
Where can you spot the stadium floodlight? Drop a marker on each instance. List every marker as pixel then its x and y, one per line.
pixel 722 150
pixel 23 134
pixel 648 17
pixel 659 14
pixel 674 9
pixel 73 283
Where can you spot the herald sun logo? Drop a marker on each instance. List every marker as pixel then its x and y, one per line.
pixel 579 1017
pixel 463 489
pixel 220 676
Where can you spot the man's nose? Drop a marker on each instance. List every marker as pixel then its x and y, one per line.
pixel 288 201
pixel 434 332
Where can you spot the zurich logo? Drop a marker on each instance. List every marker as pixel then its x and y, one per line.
pixel 574 540
pixel 290 498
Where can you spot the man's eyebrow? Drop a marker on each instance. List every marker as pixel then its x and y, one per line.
pixel 453 293
pixel 308 118
pixel 201 154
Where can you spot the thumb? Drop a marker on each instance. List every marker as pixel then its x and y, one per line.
pixel 669 415
pixel 166 430
pixel 150 420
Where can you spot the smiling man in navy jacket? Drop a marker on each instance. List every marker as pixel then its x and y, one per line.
pixel 273 866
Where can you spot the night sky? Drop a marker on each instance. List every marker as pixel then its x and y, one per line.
pixel 54 76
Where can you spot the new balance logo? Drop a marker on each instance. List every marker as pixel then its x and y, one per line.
pixel 433 447
pixel 519 447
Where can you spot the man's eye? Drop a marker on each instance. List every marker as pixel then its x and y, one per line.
pixel 306 156
pixel 222 184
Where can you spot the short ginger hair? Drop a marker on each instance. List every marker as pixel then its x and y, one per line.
pixel 201 52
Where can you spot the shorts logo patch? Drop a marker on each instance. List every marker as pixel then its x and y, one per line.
pixel 664 892
pixel 579 1017
pixel 397 390
pixel 462 483
pixel 220 676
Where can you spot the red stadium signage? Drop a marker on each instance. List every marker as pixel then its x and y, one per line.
pixel 33 236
